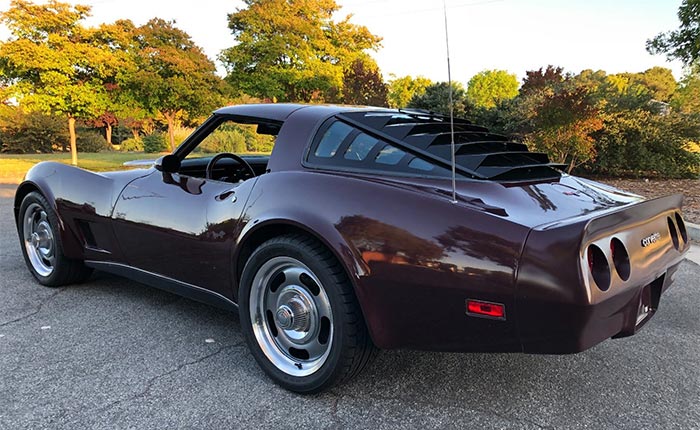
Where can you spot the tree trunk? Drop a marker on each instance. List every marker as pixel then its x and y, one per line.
pixel 170 117
pixel 73 141
pixel 108 133
pixel 135 133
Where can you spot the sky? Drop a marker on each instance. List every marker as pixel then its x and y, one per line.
pixel 512 35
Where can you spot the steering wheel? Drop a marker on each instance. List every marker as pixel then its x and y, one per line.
pixel 215 159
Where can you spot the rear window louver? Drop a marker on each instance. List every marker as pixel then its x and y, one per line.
pixel 480 154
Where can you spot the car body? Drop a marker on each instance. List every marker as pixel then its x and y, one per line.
pixel 524 258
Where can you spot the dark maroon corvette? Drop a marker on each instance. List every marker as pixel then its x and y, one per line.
pixel 347 237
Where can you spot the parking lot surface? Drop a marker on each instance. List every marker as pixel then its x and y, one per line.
pixel 112 353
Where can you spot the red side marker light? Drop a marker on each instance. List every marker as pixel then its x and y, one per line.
pixel 486 309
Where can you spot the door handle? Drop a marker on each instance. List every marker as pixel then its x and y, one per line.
pixel 226 194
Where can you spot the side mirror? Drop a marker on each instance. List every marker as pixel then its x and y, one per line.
pixel 168 164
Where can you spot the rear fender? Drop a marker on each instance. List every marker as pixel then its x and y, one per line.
pixel 561 309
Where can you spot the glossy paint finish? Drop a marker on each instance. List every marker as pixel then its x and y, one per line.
pixel 181 227
pixel 413 256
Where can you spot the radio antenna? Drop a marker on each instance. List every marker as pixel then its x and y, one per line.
pixel 452 108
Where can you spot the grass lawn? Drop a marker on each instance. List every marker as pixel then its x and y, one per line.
pixel 14 166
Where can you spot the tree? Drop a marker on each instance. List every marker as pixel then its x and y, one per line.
pixel 173 77
pixel 686 99
pixel 559 116
pixel 292 50
pixel 541 80
pixel 658 81
pixel 403 89
pixel 52 63
pixel 486 89
pixel 436 98
pixel 682 44
pixel 562 126
pixel 107 120
pixel 625 91
pixel 117 38
pixel 363 84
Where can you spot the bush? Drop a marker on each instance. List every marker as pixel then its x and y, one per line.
pixel 31 132
pixel 181 133
pixel 225 139
pixel 121 133
pixel 91 141
pixel 641 143
pixel 154 142
pixel 132 145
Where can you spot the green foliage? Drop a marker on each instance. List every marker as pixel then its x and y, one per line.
pixel 292 50
pixel 224 140
pixel 556 115
pixel 682 44
pixel 488 88
pixel 31 132
pixel 658 81
pixel 237 139
pixel 92 141
pixel 561 124
pixel 131 145
pixel 436 99
pixel 504 118
pixel 172 75
pixel 605 124
pixel 52 63
pixel 182 133
pixel 154 142
pixel 641 143
pixel 686 99
pixel 363 84
pixel 403 89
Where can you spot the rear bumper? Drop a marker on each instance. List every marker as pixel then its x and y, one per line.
pixel 568 328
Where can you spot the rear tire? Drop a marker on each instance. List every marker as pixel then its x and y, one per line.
pixel 40 239
pixel 300 316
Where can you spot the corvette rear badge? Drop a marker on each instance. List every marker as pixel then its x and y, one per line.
pixel 653 238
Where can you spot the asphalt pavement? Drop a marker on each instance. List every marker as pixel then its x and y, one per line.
pixel 112 353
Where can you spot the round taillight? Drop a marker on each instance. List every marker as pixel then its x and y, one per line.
pixel 674 233
pixel 621 259
pixel 681 227
pixel 599 267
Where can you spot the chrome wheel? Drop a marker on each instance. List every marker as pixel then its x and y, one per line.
pixel 291 316
pixel 39 240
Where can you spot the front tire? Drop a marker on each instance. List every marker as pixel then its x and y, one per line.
pixel 38 229
pixel 300 316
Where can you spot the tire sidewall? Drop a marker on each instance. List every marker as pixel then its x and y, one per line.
pixel 331 369
pixel 37 198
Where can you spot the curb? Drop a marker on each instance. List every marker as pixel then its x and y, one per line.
pixel 693 231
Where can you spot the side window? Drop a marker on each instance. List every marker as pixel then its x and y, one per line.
pixel 332 139
pixel 345 147
pixel 360 147
pixel 389 155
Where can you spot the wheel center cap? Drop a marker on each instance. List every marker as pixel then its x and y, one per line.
pixel 293 315
pixel 285 317
pixel 35 240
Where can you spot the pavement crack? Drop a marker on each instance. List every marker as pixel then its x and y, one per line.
pixel 36 310
pixel 149 384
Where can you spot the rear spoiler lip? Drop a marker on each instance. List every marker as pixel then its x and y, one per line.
pixel 643 209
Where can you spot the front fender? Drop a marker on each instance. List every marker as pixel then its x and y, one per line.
pixel 75 195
